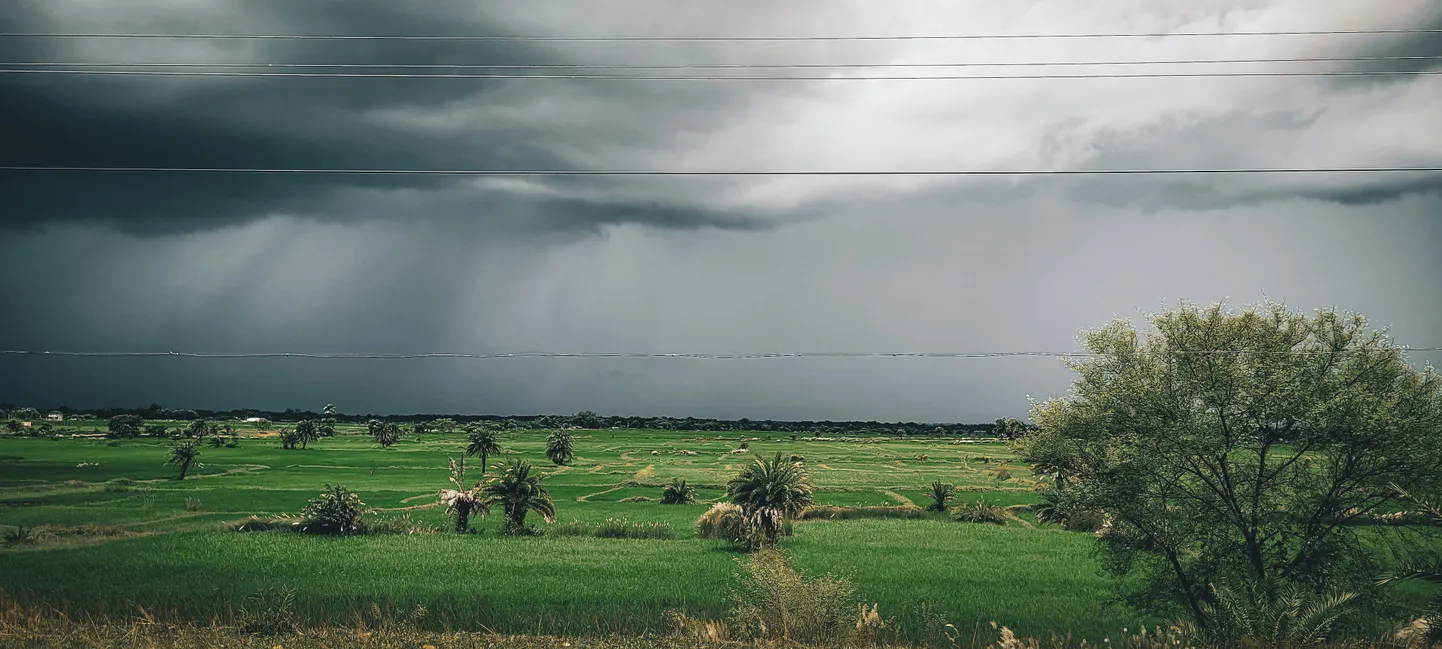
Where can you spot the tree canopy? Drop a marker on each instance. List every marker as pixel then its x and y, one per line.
pixel 1231 449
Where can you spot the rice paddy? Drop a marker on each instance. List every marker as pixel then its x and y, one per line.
pixel 116 530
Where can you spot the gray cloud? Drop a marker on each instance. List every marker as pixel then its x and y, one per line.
pixel 718 265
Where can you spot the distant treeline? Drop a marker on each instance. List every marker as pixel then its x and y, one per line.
pixel 579 420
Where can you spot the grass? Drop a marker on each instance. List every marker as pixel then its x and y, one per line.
pixel 170 545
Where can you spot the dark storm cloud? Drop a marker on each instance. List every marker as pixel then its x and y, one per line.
pixel 300 123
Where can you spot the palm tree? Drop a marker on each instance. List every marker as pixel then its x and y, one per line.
pixel 184 456
pixel 940 493
pixel 306 432
pixel 462 502
pixel 517 490
pixel 327 420
pixel 678 493
pixel 768 491
pixel 384 433
pixel 558 447
pixel 485 442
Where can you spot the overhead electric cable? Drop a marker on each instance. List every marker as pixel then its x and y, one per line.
pixel 584 172
pixel 517 37
pixel 708 66
pixel 631 77
pixel 638 355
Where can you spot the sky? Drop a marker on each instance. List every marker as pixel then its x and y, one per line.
pixel 218 263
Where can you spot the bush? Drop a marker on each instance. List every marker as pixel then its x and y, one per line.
pixel 402 524
pixel 834 512
pixel 723 522
pixel 1003 474
pixel 337 511
pixel 775 601
pixel 617 528
pixel 980 511
pixel 639 499
pixel 940 493
pixel 678 493
pixel 192 504
pixel 269 612
pixel 1084 521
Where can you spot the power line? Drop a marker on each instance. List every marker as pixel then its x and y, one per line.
pixel 713 66
pixel 581 172
pixel 630 77
pixel 636 355
pixel 498 37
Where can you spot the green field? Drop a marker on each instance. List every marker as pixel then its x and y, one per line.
pixel 168 545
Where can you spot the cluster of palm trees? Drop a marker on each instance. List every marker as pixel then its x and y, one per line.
pixel 516 490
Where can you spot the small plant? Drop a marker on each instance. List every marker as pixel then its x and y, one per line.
pixel 774 601
pixel 19 536
pixel 617 528
pixel 1003 474
pixel 678 493
pixel 559 447
pixel 269 612
pixel 462 501
pixel 336 511
pixel 184 456
pixel 981 511
pixel 1265 615
pixel 192 504
pixel 940 493
pixel 723 522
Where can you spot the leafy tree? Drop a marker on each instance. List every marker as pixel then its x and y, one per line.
pixel 768 492
pixel 384 433
pixel 463 501
pixel 289 438
pixel 940 492
pixel 124 426
pixel 14 426
pixel 157 430
pixel 485 442
pixel 517 490
pixel 559 447
pixel 678 493
pixel 306 432
pixel 1238 448
pixel 27 414
pixel 444 425
pixel 184 456
pixel 337 511
pixel 586 419
pixel 262 424
pixel 1009 428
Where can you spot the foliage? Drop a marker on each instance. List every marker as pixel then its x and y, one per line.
pixel 19 535
pixel 617 528
pixel 1003 474
pixel 443 425
pixel 484 441
pixel 200 428
pixel 723 522
pixel 337 510
pixel 1237 448
pixel 124 426
pixel 384 433
pixel 1268 615
pixel 306 431
pixel 462 501
pixel 775 601
pixel 768 492
pixel 940 493
pixel 269 612
pixel 326 426
pixel 559 447
pixel 517 490
pixel 183 456
pixel 1009 428
pixel 980 511
pixel 678 493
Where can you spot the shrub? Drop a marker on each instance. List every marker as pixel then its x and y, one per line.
pixel 402 524
pixel 723 522
pixel 617 528
pixel 980 511
pixel 1003 474
pixel 192 504
pixel 269 612
pixel 678 493
pixel 19 536
pixel 639 499
pixel 834 512
pixel 940 492
pixel 775 601
pixel 797 458
pixel 1085 520
pixel 337 511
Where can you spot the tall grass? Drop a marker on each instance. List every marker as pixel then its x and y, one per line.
pixel 616 528
pixel 833 512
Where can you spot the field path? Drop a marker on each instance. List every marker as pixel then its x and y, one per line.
pixel 898 497
pixel 581 499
